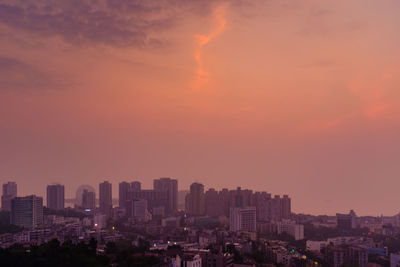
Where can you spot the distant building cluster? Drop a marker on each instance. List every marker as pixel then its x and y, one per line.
pixel 215 227
pixel 217 203
pixel 243 209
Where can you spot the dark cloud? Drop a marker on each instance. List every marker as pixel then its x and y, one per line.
pixel 17 75
pixel 109 22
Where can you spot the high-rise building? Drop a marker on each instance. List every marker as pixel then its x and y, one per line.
pixel 136 186
pixel 262 202
pixel 9 192
pixel 213 204
pixel 27 211
pixel 291 228
pixel 195 200
pixel 171 187
pixel 155 199
pixel 124 189
pixel 140 209
pixel 286 207
pixel 276 213
pixel 88 199
pixel 55 197
pixel 105 197
pixel 79 193
pixel 346 221
pixel 243 219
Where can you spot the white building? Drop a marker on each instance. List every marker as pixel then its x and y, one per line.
pixel 243 219
pixel 191 260
pixel 291 228
pixel 315 245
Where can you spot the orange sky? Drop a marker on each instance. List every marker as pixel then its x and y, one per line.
pixel 298 98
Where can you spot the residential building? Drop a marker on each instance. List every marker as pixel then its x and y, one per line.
pixel 55 197
pixel 171 187
pixel 105 198
pixel 195 200
pixel 88 199
pixel 9 192
pixel 243 219
pixel 291 228
pixel 27 212
pixel 346 221
pixel 155 199
pixel 286 207
pixel 124 189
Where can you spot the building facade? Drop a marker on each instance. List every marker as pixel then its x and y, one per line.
pixel 27 212
pixel 171 187
pixel 195 203
pixel 88 200
pixel 55 197
pixel 9 192
pixel 105 198
pixel 243 219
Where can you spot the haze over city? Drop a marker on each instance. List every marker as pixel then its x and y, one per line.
pixel 289 97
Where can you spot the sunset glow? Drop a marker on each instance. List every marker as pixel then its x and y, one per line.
pixel 298 97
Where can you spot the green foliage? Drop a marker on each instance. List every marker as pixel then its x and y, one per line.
pixel 237 258
pixel 76 255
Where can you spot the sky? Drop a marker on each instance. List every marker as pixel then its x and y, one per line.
pixel 288 97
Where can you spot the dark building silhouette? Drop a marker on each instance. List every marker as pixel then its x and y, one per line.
pixel 9 192
pixel 55 197
pixel 171 187
pixel 105 197
pixel 27 212
pixel 195 200
pixel 88 199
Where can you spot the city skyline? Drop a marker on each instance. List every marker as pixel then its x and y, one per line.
pixel 300 98
pixel 200 133
pixel 116 196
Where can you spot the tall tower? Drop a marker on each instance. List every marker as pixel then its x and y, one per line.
pixel 55 197
pixel 124 189
pixel 171 187
pixel 195 199
pixel 136 186
pixel 105 192
pixel 286 207
pixel 9 192
pixel 27 211
pixel 88 199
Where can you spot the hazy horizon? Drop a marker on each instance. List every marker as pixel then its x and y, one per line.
pixel 298 98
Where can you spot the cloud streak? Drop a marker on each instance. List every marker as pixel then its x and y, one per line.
pixel 202 76
pixel 18 75
pixel 133 23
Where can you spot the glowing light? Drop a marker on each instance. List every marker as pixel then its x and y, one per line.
pixel 201 40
